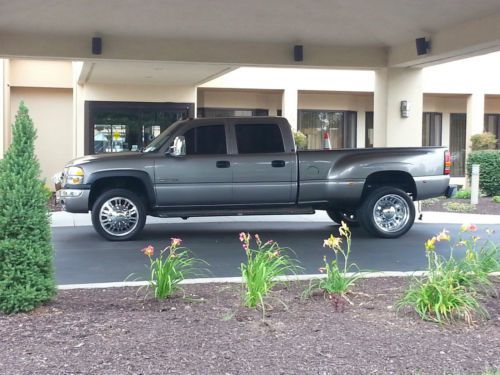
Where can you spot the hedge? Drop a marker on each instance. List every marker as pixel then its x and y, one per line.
pixel 489 170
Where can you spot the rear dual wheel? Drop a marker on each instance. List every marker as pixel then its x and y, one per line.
pixel 387 212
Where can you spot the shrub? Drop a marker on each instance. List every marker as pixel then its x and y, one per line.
pixel 496 199
pixel 262 268
pixel 483 141
pixel 300 140
pixel 448 291
pixel 173 265
pixel 463 194
pixel 489 176
pixel 458 207
pixel 337 281
pixel 26 253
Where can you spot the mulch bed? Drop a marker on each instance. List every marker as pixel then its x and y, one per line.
pixel 118 331
pixel 485 205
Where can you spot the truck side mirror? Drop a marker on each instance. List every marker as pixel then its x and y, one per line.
pixel 178 147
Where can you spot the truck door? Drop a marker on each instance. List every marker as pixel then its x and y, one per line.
pixel 203 177
pixel 263 171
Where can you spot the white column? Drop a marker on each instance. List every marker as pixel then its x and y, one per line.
pixel 2 105
pixel 391 87
pixel 289 107
pixel 475 117
pixel 380 108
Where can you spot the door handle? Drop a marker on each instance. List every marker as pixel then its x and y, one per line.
pixel 223 164
pixel 278 163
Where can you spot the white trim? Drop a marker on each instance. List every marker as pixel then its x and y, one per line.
pixel 238 280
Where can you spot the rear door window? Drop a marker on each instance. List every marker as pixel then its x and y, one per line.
pixel 206 140
pixel 259 138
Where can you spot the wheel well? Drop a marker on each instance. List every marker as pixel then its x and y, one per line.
pixel 398 179
pixel 129 183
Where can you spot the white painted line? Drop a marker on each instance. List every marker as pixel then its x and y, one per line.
pixel 238 280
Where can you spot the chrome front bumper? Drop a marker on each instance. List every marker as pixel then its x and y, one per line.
pixel 73 200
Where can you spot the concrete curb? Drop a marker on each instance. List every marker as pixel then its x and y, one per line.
pixel 238 280
pixel 66 219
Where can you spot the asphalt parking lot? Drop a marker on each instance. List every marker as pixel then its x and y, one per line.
pixel 82 256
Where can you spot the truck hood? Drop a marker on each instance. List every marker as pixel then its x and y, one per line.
pixel 106 157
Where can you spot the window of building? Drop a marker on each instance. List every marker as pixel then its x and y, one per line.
pixel 340 126
pixel 369 129
pixel 231 112
pixel 128 126
pixel 259 138
pixel 457 143
pixel 432 129
pixel 206 140
pixel 492 125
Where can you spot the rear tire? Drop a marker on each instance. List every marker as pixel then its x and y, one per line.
pixel 387 212
pixel 349 216
pixel 118 215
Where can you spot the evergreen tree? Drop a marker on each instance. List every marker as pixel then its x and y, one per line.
pixel 26 253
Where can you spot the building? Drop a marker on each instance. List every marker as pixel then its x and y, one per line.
pixel 88 107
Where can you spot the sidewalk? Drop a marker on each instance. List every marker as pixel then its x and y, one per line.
pixel 66 219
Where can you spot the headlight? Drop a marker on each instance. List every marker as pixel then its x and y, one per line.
pixel 74 175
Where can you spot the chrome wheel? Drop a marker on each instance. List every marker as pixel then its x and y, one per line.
pixel 391 213
pixel 118 216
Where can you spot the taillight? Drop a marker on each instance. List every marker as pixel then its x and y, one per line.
pixel 447 162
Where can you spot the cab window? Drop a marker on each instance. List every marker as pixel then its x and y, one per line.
pixel 259 138
pixel 206 140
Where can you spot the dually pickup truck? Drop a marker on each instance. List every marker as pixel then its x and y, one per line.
pixel 250 166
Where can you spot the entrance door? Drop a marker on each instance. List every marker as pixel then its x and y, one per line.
pixel 457 143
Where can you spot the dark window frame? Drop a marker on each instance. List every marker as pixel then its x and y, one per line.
pixel 256 112
pixel 367 115
pixel 345 132
pixel 496 117
pixel 432 123
pixel 91 106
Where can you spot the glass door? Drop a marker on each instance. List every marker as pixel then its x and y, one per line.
pixel 120 127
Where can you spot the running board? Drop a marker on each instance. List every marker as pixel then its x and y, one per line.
pixel 236 212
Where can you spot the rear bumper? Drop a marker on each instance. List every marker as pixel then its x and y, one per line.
pixel 432 186
pixel 74 200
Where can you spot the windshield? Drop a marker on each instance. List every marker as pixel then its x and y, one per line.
pixel 159 141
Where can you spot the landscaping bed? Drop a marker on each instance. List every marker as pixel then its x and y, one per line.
pixel 120 331
pixel 485 206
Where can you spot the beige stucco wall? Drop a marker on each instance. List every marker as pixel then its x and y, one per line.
pixel 51 111
pixel 492 104
pixel 339 101
pixel 251 99
pixel 136 93
pixel 35 73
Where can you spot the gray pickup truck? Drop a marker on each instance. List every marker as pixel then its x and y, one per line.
pixel 250 166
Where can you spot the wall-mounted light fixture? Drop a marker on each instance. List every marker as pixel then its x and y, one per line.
pixel 423 46
pixel 405 109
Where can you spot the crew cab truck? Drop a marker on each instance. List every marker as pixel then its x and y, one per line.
pixel 250 166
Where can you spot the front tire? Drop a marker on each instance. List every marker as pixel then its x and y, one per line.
pixel 387 212
pixel 118 215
